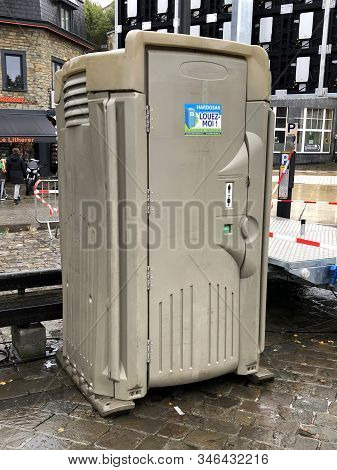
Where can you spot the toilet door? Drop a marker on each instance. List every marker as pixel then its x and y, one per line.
pixel 197 107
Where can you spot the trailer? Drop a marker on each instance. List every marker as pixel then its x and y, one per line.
pixel 302 253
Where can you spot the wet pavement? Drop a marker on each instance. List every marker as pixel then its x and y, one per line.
pixel 28 250
pixel 23 217
pixel 40 408
pixel 17 217
pixel 26 215
pixel 323 214
pixel 313 179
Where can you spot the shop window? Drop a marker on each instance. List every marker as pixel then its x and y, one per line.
pixel 314 118
pixel 312 141
pixel 280 138
pixel 326 141
pixel 299 118
pixel 14 72
pixel 65 18
pixel 317 130
pixel 314 129
pixel 280 128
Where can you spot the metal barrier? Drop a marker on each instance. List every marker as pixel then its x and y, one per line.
pixel 22 280
pixel 46 204
pixel 23 307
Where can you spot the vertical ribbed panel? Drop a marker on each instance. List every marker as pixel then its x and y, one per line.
pixel 191 299
pixel 210 315
pixel 160 336
pixel 80 301
pixel 183 331
pixel 217 322
pixel 172 352
pixel 225 325
pixel 80 265
pixel 233 323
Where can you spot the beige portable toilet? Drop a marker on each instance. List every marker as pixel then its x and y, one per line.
pixel 178 125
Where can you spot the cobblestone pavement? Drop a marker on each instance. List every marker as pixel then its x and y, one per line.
pixel 28 250
pixel 41 409
pixel 318 183
pixel 23 215
pixel 20 215
pixel 32 249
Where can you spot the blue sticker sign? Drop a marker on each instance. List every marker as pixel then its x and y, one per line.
pixel 203 119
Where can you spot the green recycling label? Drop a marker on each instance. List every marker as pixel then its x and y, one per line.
pixel 203 119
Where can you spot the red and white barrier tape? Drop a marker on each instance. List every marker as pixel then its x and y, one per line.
pixel 46 191
pixel 37 192
pixel 301 241
pixel 331 203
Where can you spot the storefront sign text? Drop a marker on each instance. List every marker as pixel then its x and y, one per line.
pixel 11 99
pixel 16 140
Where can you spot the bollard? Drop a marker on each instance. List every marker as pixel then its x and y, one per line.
pixel 302 230
pixel 286 184
pixel 287 171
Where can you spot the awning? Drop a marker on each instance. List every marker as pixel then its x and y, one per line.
pixel 24 127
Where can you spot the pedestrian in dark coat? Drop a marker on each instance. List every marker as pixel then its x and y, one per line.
pixel 16 172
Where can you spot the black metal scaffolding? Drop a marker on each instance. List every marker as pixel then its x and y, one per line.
pixel 212 18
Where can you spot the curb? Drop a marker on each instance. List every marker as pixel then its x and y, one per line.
pixel 16 228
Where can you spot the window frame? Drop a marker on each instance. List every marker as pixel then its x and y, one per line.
pixel 70 11
pixel 280 129
pixel 304 130
pixel 55 60
pixel 22 55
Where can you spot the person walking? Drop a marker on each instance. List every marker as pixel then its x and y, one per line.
pixel 16 173
pixel 2 178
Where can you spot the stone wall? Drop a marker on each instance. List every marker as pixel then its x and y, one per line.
pixel 40 46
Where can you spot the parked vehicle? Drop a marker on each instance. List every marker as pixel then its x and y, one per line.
pixel 33 174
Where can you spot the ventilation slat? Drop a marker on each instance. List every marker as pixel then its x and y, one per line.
pixel 75 80
pixel 76 104
pixel 73 91
pixel 76 111
pixel 83 100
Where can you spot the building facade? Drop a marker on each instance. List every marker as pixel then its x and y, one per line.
pixel 300 37
pixel 36 38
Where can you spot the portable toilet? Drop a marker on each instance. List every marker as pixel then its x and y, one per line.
pixel 190 116
pixel 151 299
